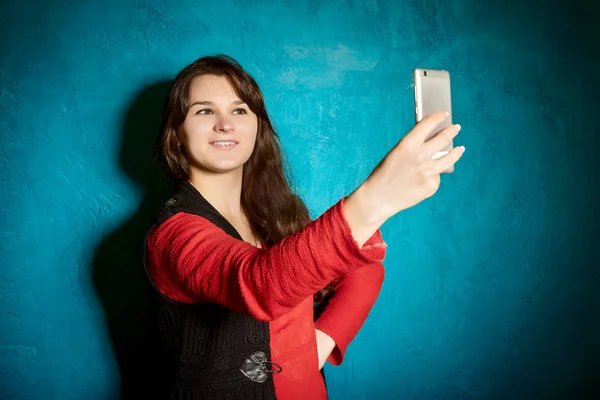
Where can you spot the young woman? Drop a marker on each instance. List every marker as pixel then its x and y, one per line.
pixel 235 257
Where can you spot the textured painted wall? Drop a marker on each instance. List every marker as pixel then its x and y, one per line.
pixel 492 286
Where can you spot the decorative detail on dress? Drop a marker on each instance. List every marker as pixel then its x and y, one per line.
pixel 255 367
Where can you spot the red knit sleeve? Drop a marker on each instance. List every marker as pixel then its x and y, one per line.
pixel 192 260
pixel 349 307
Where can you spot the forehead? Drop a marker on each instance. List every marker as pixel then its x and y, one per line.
pixel 211 87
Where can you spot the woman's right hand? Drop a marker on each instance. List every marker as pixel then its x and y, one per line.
pixel 406 176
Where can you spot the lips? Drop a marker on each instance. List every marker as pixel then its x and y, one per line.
pixel 225 141
pixel 224 144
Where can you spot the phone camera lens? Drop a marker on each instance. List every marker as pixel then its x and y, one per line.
pixel 425 73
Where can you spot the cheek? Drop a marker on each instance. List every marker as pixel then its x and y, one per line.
pixel 253 131
pixel 192 133
pixel 252 138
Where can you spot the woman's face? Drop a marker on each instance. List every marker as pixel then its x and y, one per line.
pixel 219 131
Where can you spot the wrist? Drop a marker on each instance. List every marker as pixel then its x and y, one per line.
pixel 365 207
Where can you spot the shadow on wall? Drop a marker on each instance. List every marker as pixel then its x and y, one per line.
pixel 118 275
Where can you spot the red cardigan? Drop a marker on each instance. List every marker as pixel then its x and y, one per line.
pixel 192 260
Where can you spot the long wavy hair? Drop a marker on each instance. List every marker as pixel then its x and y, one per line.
pixel 273 210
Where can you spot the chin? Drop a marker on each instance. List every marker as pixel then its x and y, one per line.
pixel 224 167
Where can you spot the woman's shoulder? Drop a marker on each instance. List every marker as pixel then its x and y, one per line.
pixel 184 218
pixel 178 204
pixel 180 222
pixel 191 208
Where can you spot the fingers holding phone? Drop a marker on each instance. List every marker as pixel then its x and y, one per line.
pixel 433 94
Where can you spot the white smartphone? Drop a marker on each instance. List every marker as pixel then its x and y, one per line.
pixel 432 93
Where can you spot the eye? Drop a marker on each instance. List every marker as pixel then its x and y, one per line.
pixel 238 111
pixel 204 111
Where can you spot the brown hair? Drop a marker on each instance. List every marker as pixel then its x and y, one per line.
pixel 273 210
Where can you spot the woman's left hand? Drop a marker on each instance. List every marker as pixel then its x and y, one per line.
pixel 325 345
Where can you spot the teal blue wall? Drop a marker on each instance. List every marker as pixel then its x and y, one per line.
pixel 492 285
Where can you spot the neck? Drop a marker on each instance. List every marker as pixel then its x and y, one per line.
pixel 222 190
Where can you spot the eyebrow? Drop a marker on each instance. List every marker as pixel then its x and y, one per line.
pixel 210 103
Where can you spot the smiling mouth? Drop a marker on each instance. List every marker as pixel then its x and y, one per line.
pixel 224 144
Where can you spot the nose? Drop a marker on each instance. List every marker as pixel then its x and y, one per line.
pixel 224 124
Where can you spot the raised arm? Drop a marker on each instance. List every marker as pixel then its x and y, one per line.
pixel 192 260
